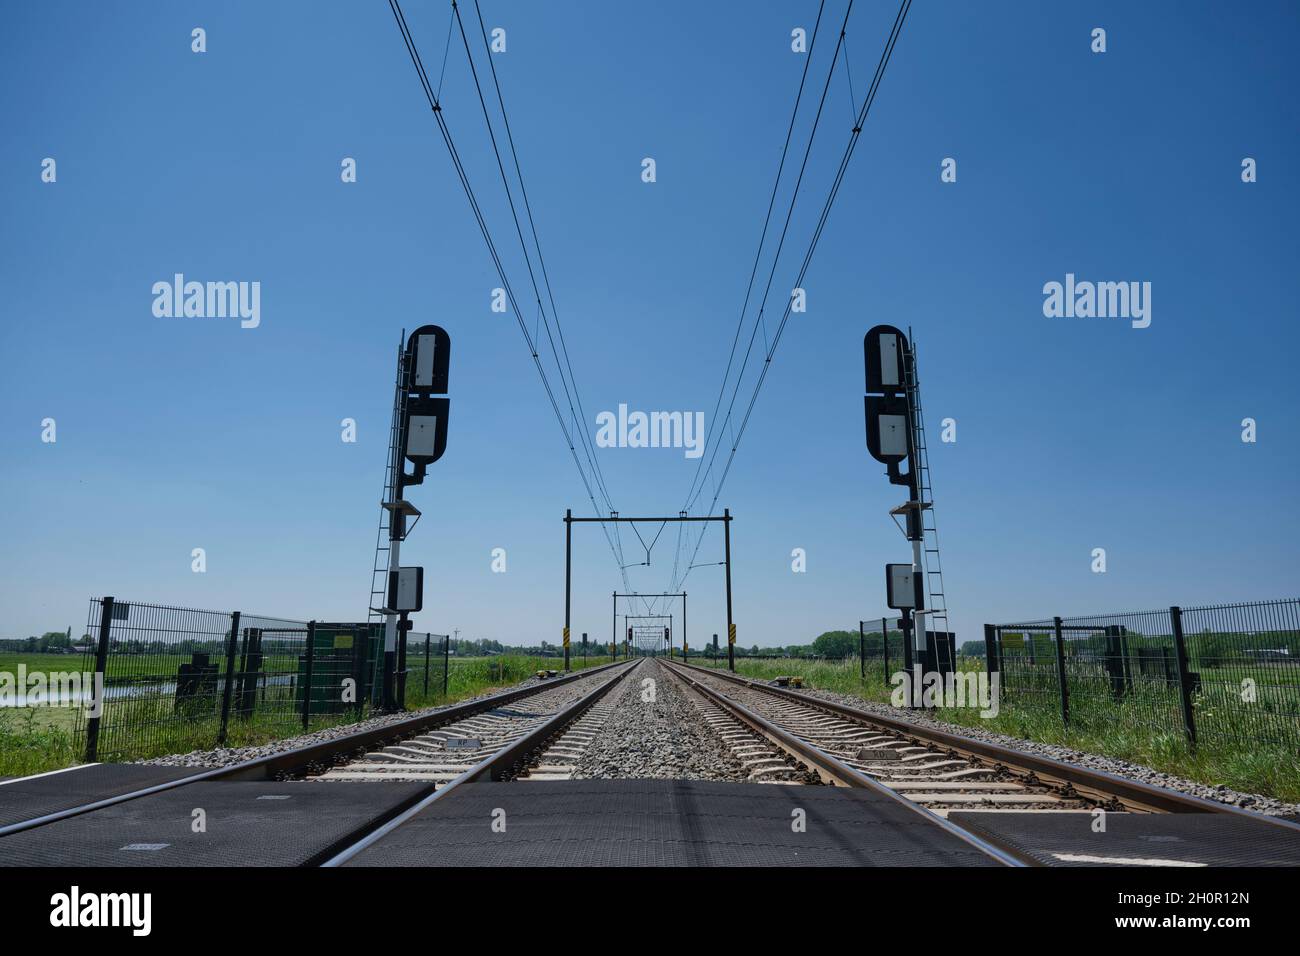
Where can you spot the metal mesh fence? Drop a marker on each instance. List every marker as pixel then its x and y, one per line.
pixel 269 659
pixel 1026 658
pixel 1221 673
pixel 163 678
pixel 177 679
pixel 428 669
pixel 1114 667
pixel 1245 662
pixel 883 653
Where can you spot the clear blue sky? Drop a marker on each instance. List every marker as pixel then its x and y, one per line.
pixel 176 433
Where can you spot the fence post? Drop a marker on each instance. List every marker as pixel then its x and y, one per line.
pixel 1128 665
pixel 1184 676
pixel 1114 663
pixel 990 651
pixel 884 647
pixel 401 669
pixel 230 679
pixel 362 672
pixel 250 669
pixel 862 650
pixel 1060 673
pixel 101 662
pixel 446 662
pixel 306 676
pixel 426 667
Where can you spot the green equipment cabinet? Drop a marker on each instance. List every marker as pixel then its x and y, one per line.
pixel 339 652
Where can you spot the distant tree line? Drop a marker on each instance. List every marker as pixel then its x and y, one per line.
pixel 832 645
pixel 51 642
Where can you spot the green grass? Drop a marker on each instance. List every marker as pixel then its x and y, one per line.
pixel 9 661
pixel 471 676
pixel 1144 729
pixel 37 739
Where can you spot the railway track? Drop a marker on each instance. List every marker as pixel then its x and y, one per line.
pixel 928 783
pixel 765 754
pixel 465 741
pixel 445 753
pixel 934 777
pixel 943 772
pixel 1011 805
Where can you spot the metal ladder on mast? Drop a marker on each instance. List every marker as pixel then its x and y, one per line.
pixel 379 572
pixel 936 600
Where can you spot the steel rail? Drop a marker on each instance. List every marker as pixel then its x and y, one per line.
pixel 299 759
pixel 830 768
pixel 493 767
pixel 1098 783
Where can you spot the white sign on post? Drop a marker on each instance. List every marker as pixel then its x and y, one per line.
pixel 406 589
pixel 900 586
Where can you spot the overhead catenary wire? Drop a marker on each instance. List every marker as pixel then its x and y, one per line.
pixel 767 219
pixel 776 258
pixel 579 415
pixel 698 486
pixel 700 472
pixel 505 118
pixel 882 65
pixel 436 107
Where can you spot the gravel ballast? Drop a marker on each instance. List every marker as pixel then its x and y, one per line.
pixel 661 739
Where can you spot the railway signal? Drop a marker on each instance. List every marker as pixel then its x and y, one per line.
pixel 891 423
pixel 420 439
pixel 424 417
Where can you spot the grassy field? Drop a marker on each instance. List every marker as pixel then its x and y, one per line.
pixel 470 676
pixel 125 666
pixel 1137 731
pixel 9 661
pixel 36 739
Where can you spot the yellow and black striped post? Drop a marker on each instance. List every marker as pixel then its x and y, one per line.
pixel 731 628
pixel 568 579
